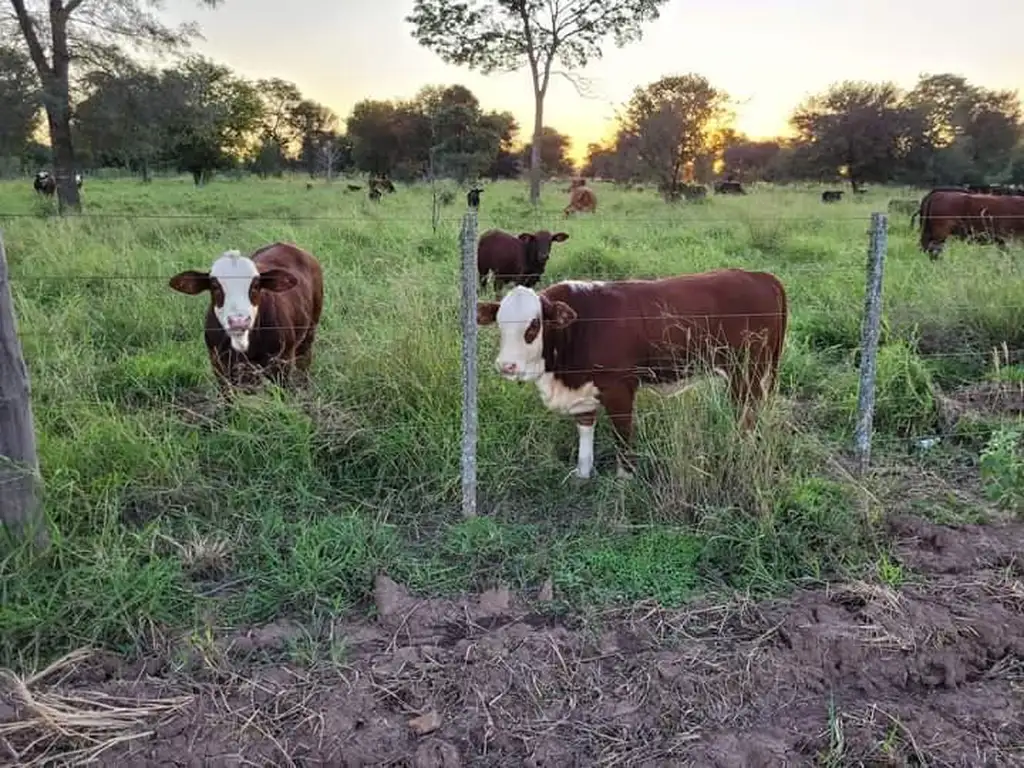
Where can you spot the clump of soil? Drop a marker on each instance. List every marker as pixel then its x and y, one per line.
pixel 930 673
pixel 983 400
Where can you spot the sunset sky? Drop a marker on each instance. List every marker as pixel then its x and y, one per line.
pixel 767 54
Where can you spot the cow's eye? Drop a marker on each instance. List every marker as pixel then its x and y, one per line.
pixel 532 330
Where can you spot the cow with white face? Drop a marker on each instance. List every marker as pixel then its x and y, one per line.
pixel 588 345
pixel 263 310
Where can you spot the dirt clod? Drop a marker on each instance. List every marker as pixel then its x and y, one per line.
pixel 425 723
pixel 928 672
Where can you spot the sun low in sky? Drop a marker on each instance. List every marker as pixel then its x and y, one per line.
pixel 767 54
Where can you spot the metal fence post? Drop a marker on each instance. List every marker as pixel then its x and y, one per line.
pixel 467 248
pixel 869 337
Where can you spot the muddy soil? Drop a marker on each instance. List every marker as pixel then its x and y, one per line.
pixel 929 673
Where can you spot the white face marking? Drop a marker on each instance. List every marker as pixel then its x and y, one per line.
pixel 585 459
pixel 518 360
pixel 235 272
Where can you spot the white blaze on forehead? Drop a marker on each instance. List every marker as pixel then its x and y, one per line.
pixel 235 273
pixel 520 307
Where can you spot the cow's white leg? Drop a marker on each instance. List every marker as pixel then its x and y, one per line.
pixel 585 460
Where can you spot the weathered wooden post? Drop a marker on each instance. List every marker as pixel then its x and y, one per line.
pixel 20 509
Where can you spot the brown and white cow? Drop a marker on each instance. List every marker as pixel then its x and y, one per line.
pixel 591 344
pixel 264 310
pixel 581 199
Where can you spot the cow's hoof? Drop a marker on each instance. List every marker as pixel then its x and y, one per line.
pixel 623 474
pixel 576 478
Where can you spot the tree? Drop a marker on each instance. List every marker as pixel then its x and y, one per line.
pixel 862 128
pixel 211 116
pixel 463 141
pixel 505 164
pixel 56 31
pixel 317 128
pixel 506 35
pixel 122 120
pixel 670 122
pixel 382 135
pixel 554 150
pixel 747 160
pixel 19 102
pixel 972 131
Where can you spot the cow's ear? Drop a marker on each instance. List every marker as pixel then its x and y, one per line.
pixel 277 280
pixel 486 312
pixel 559 315
pixel 190 282
pixel 526 236
pixel 560 237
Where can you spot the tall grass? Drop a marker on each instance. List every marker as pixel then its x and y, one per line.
pixel 171 509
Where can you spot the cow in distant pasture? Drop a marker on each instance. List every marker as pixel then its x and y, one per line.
pixel 45 183
pixel 382 183
pixel 263 314
pixel 690 192
pixel 375 194
pixel 353 187
pixel 591 344
pixel 581 199
pixel 729 188
pixel 507 258
pixel 831 196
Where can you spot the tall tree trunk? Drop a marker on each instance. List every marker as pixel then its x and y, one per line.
pixel 538 135
pixel 58 112
pixel 59 121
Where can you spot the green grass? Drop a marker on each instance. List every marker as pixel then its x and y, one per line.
pixel 170 513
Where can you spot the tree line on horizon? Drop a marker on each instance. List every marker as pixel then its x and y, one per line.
pixel 105 109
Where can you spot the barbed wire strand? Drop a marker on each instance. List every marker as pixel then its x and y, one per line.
pixel 424 217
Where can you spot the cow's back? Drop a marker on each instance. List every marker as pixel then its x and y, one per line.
pixel 636 323
pixel 302 304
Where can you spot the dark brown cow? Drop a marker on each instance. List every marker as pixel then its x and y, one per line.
pixel 45 183
pixel 831 195
pixel 592 344
pixel 729 188
pixel 510 259
pixel 981 218
pixel 263 313
pixel 581 199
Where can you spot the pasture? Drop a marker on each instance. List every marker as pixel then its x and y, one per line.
pixel 204 540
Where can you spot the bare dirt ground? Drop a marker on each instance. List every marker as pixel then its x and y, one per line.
pixel 931 673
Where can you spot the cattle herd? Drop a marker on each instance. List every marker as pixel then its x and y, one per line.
pixel 585 344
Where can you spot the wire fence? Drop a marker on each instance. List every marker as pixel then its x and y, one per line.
pixel 14 382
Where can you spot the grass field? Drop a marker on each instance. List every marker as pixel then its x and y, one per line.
pixel 174 513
